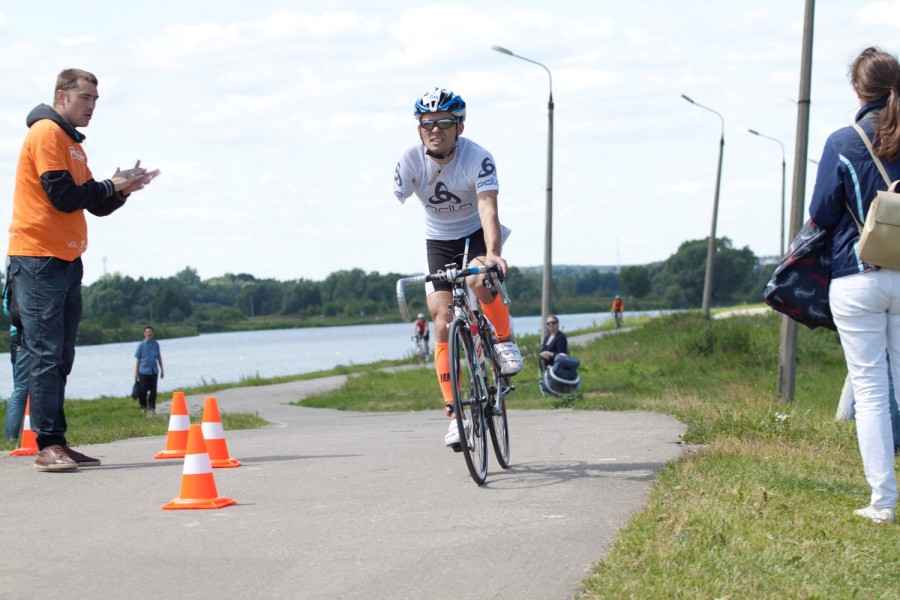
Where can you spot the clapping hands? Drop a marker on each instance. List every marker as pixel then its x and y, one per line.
pixel 132 180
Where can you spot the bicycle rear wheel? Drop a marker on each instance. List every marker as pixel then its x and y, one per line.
pixel 468 387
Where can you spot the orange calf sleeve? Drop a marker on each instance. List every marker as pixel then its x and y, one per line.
pixel 498 314
pixel 442 368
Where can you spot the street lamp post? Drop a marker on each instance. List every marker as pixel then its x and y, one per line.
pixel 711 250
pixel 548 218
pixel 783 177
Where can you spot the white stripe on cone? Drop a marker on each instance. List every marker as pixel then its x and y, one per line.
pixel 197 464
pixel 213 430
pixel 179 422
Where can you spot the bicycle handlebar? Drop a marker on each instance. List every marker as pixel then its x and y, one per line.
pixel 493 275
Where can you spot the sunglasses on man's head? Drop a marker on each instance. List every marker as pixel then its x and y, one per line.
pixel 428 124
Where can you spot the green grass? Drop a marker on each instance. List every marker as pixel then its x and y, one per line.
pixel 109 419
pixel 760 506
pixel 208 387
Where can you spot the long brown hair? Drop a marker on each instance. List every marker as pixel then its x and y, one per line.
pixel 875 75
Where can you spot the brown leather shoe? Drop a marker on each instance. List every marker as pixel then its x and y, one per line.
pixel 54 458
pixel 81 459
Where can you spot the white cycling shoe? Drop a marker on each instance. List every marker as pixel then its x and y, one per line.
pixel 509 357
pixel 451 438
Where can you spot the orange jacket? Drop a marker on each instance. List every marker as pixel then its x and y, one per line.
pixel 38 228
pixel 54 186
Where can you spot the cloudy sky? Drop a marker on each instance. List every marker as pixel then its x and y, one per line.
pixel 277 124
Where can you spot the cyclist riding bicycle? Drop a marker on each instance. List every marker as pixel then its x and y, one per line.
pixel 618 307
pixel 420 332
pixel 455 179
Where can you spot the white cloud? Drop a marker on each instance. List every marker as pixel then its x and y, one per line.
pixel 881 13
pixel 78 40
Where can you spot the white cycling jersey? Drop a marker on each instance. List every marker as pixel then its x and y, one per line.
pixel 449 193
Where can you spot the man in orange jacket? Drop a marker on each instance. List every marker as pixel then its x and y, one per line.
pixel 47 237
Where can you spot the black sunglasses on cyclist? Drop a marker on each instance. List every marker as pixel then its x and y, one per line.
pixel 552 322
pixel 428 124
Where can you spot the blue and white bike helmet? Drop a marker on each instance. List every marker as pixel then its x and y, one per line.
pixel 441 100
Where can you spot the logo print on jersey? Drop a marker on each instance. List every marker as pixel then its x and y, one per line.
pixel 487 168
pixel 442 195
pixel 398 181
pixel 76 155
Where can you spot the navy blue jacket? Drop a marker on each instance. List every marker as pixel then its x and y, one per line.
pixel 848 179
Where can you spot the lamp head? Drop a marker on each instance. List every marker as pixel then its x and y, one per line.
pixel 753 131
pixel 688 99
pixel 501 50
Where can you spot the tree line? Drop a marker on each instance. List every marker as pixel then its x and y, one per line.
pixel 116 306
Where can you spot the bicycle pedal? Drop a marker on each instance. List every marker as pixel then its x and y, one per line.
pixel 457 447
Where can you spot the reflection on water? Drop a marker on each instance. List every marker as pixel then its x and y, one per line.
pixel 108 369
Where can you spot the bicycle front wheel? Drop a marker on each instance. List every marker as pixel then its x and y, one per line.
pixel 496 411
pixel 468 385
pixel 499 427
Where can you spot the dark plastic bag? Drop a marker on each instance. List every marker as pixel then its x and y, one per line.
pixel 136 390
pixel 799 285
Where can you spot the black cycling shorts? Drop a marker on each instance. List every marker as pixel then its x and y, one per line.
pixel 444 252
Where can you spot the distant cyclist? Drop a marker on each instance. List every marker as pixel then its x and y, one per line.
pixel 455 179
pixel 618 307
pixel 420 333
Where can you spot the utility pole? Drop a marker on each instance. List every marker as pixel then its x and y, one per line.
pixel 787 353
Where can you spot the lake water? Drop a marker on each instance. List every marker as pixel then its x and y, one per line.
pixel 108 369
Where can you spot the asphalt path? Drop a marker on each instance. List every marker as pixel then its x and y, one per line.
pixel 334 504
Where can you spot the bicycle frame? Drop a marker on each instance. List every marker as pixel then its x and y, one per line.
pixel 420 348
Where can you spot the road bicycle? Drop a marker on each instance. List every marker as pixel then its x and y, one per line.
pixel 479 387
pixel 618 316
pixel 420 348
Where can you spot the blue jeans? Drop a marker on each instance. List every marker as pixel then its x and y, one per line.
pixel 15 407
pixel 47 293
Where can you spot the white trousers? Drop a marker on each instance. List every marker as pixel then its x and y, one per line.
pixel 866 309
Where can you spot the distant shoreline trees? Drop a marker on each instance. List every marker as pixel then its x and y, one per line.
pixel 116 306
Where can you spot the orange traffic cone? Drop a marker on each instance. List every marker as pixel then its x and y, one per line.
pixel 198 487
pixel 179 422
pixel 214 435
pixel 29 437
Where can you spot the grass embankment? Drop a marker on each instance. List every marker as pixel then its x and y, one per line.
pixel 761 507
pixel 109 419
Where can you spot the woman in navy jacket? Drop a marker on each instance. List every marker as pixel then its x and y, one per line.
pixel 865 299
pixel 555 342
